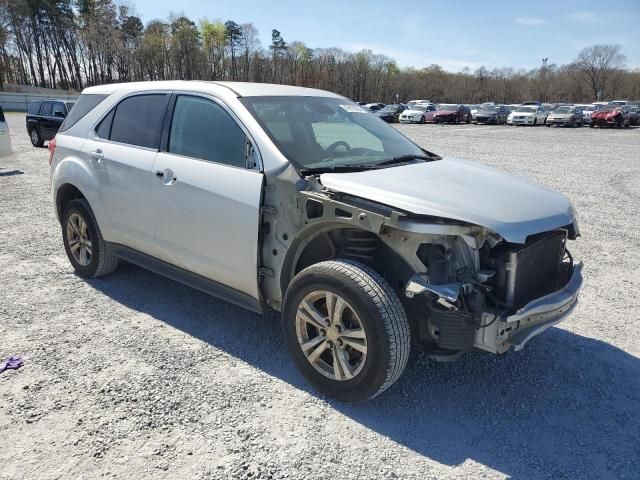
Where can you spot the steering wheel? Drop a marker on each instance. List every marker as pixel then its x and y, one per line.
pixel 337 144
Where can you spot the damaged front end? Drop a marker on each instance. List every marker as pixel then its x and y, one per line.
pixel 492 295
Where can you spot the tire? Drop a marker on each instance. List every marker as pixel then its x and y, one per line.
pixel 535 122
pixel 423 120
pixel 468 118
pixel 36 138
pixel 100 261
pixel 370 300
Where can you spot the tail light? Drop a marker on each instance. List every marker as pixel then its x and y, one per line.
pixel 52 149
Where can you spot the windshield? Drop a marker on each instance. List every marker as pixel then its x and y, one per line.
pixel 565 109
pixel 419 108
pixel 490 109
pixel 588 108
pixel 527 109
pixel 445 106
pixel 326 132
pixel 389 108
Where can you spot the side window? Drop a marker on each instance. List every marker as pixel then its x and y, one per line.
pixel 103 130
pixel 45 109
pixel 202 129
pixel 138 120
pixel 34 108
pixel 58 110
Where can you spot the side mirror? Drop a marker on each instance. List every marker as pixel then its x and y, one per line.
pixel 250 155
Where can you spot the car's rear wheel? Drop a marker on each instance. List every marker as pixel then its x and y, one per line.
pixel 36 138
pixel 83 241
pixel 345 329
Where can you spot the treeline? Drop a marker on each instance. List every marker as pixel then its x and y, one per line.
pixel 71 44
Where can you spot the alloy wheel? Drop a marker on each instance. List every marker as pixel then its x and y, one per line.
pixel 79 239
pixel 331 335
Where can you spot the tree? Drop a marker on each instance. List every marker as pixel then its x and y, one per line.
pixel 599 64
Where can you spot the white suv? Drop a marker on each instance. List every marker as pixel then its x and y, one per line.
pixel 295 200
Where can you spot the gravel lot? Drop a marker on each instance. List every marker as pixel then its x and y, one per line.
pixel 134 376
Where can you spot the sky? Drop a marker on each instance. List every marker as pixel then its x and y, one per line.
pixel 451 33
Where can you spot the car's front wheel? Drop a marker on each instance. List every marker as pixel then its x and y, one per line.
pixel 36 139
pixel 345 329
pixel 83 241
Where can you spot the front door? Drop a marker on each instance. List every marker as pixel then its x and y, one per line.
pixel 207 202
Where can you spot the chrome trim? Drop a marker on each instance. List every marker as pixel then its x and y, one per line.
pixel 554 301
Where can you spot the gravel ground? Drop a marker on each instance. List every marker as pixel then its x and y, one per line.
pixel 134 376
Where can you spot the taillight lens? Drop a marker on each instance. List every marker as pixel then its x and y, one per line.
pixel 52 149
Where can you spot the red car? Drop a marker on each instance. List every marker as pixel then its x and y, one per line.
pixel 452 114
pixel 613 116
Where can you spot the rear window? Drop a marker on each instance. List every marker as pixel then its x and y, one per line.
pixel 138 120
pixel 84 105
pixel 34 108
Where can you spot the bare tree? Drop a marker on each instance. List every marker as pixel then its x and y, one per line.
pixel 599 63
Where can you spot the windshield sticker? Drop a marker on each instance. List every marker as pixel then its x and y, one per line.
pixel 352 108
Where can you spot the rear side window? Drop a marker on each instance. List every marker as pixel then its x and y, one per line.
pixel 104 127
pixel 202 129
pixel 84 105
pixel 34 108
pixel 45 109
pixel 58 110
pixel 138 120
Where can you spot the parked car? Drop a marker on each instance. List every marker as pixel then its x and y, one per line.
pixel 419 113
pixel 452 113
pixel 634 114
pixel 528 115
pixel 619 103
pixel 293 200
pixel 587 110
pixel 473 109
pixel 390 113
pixel 611 116
pixel 44 118
pixel 565 116
pixel 496 114
pixel 5 136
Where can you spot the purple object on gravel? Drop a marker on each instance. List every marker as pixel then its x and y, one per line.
pixel 12 363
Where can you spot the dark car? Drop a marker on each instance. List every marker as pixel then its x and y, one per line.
pixel 451 113
pixel 634 114
pixel 390 113
pixel 495 114
pixel 44 118
pixel 611 117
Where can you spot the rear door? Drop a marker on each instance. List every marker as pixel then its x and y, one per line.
pixel 207 194
pixel 121 151
pixel 45 121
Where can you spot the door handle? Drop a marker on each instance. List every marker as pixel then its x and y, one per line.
pixel 168 176
pixel 97 155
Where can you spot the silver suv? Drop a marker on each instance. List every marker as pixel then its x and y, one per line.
pixel 298 201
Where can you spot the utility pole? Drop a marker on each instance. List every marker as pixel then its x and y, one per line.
pixel 543 75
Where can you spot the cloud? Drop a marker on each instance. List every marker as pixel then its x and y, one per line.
pixel 531 21
pixel 584 17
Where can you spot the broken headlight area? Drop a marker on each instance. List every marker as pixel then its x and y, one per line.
pixel 487 297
